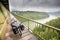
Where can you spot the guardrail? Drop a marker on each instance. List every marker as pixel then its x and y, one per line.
pixel 5 14
pixel 42 31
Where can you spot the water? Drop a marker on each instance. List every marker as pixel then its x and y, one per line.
pixel 46 19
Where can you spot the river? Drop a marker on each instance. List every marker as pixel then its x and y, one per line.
pixel 46 19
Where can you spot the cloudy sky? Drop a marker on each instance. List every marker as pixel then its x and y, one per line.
pixel 34 5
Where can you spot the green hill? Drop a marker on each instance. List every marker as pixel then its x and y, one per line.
pixel 32 14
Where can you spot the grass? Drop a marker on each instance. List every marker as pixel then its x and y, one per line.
pixel 32 14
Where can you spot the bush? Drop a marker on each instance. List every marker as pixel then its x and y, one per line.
pixel 46 33
pixel 54 22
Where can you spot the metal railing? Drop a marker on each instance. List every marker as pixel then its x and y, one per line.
pixel 42 31
pixel 5 14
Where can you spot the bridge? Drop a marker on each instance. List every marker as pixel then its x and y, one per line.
pixel 30 24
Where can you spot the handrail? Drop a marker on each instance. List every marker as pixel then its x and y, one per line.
pixel 3 28
pixel 43 27
pixel 40 23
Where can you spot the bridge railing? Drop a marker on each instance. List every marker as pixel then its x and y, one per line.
pixel 42 31
pixel 4 14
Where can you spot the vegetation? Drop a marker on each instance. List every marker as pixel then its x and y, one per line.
pixel 46 33
pixel 54 22
pixel 49 34
pixel 32 14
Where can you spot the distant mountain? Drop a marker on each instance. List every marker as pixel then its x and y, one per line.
pixel 32 14
pixel 24 11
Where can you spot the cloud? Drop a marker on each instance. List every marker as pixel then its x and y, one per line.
pixel 24 4
pixel 35 2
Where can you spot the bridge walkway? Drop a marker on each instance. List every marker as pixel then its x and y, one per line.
pixel 26 34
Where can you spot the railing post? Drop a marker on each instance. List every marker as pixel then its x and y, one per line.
pixel 28 24
pixel 58 35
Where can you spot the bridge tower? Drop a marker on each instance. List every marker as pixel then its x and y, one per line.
pixel 5 3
